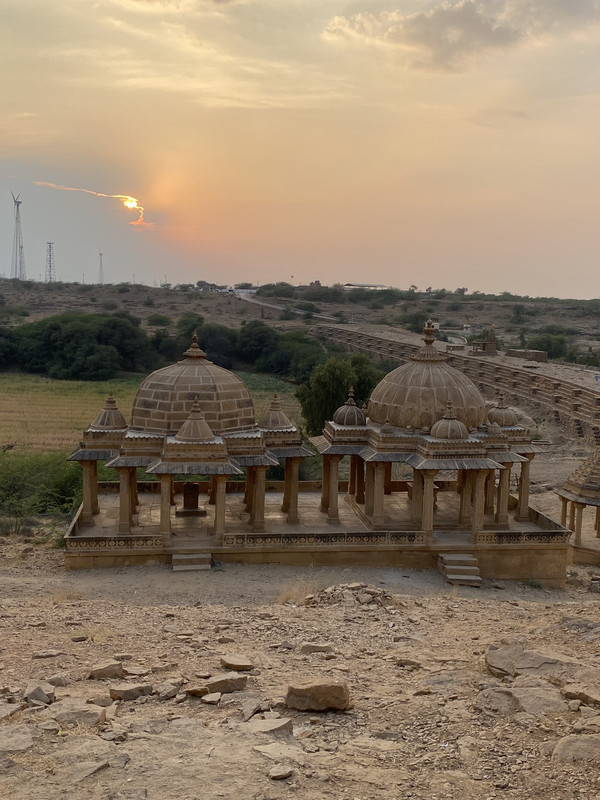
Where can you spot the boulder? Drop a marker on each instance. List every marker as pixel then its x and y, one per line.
pixel 130 691
pixel 237 662
pixel 39 694
pixel 318 695
pixel 227 682
pixel 578 747
pixel 106 669
pixel 59 680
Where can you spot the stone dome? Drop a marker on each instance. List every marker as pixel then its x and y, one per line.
pixel 274 418
pixel 448 427
pixel 415 394
pixel 502 415
pixel 165 398
pixel 349 413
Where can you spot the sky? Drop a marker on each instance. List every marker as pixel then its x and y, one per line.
pixel 451 143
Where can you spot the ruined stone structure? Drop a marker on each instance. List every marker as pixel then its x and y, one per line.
pixel 429 478
pixel 581 489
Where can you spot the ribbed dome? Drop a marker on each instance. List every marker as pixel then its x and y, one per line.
pixel 502 415
pixel 349 413
pixel 448 427
pixel 273 418
pixel 109 418
pixel 195 428
pixel 164 400
pixel 416 393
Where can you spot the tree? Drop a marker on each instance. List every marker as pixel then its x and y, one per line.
pixel 367 376
pixel 327 391
pixel 255 339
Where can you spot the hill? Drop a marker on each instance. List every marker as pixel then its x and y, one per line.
pixel 517 319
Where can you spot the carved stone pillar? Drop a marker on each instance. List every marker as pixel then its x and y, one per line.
pixel 220 495
pixel 125 520
pixel 428 502
pixel 490 491
pixel 165 505
pixel 333 514
pixel 578 522
pixel 378 494
pixel 369 488
pixel 360 480
pixel 292 517
pixel 572 516
pixel 464 508
pixel 285 502
pixel 388 478
pixel 249 494
pixel 352 475
pixel 563 511
pixel 478 503
pixel 523 508
pixel 324 507
pixel 258 501
pixel 503 493
pixel 417 497
pixel 87 512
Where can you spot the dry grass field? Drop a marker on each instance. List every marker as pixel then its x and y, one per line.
pixel 39 414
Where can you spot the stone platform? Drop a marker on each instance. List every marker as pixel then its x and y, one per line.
pixel 535 549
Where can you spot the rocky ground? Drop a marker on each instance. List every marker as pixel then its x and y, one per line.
pixel 454 693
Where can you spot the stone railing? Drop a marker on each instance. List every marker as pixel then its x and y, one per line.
pixel 556 537
pixel 238 541
pixel 113 543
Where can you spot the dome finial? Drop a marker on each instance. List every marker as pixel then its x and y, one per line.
pixel 194 351
pixel 429 332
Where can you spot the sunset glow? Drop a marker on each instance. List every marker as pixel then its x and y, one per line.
pixel 440 143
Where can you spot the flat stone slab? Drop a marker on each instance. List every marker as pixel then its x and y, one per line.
pixel 514 660
pixel 318 695
pixel 130 691
pixel 15 739
pixel 211 699
pixel 278 727
pixel 237 662
pixel 227 682
pixel 106 669
pixel 75 712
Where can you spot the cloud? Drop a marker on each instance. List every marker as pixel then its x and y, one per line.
pixel 452 32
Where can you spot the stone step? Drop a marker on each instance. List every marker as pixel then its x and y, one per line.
pixel 191 567
pixel 464 580
pixel 190 562
pixel 461 569
pixel 457 559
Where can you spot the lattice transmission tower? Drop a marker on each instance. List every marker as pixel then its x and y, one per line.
pixel 100 269
pixel 17 264
pixel 50 276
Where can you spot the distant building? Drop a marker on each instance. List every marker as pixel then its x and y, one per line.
pixel 371 287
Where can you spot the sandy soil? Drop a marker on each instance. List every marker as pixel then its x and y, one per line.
pixel 421 724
